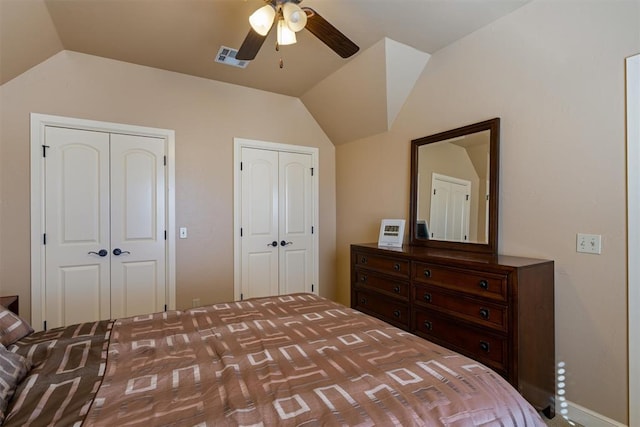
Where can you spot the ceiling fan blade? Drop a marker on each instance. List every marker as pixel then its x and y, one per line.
pixel 250 46
pixel 329 35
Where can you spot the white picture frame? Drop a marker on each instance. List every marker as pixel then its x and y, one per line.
pixel 391 233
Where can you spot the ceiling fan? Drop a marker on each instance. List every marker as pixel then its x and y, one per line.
pixel 291 18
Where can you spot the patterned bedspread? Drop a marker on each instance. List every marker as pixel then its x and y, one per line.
pixel 292 360
pixel 68 365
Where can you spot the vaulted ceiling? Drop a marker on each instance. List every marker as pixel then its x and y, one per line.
pixel 184 36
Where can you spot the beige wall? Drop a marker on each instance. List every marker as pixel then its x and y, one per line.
pixel 205 115
pixel 554 72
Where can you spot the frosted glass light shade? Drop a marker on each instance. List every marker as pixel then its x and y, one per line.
pixel 294 16
pixel 262 19
pixel 285 35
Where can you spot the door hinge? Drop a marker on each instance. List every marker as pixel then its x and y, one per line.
pixel 240 231
pixel 44 150
pixel 312 229
pixel 165 234
pixel 434 191
pixel 312 286
pixel 240 165
pixel 44 239
pixel 467 197
pixel 241 297
pixel 311 171
pixel 165 307
pixel 165 160
pixel 45 325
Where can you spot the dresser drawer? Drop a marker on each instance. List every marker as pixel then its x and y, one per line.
pixel 367 279
pixel 388 265
pixel 485 347
pixel 483 313
pixel 486 285
pixel 388 309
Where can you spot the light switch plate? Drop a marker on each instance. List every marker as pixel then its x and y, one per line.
pixel 589 243
pixel 183 232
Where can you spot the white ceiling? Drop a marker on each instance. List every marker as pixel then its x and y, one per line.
pixel 185 35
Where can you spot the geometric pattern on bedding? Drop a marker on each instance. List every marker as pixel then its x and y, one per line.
pixel 68 364
pixel 13 369
pixel 292 360
pixel 12 327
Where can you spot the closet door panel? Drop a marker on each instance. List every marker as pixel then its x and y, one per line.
pixel 137 225
pixel 259 204
pixel 295 222
pixel 77 226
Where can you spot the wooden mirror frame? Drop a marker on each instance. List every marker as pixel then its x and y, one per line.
pixel 491 247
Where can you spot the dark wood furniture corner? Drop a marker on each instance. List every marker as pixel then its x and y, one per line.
pixel 496 309
pixel 10 302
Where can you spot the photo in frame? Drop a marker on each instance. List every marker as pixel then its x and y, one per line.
pixel 391 233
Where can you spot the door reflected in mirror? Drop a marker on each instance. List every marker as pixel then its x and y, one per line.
pixel 454 188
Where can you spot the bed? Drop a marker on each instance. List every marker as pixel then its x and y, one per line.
pixel 293 360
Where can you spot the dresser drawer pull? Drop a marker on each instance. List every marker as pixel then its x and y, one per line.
pixel 396 289
pixel 483 284
pixel 484 313
pixel 363 301
pixel 396 313
pixel 363 278
pixel 396 267
pixel 428 326
pixel 363 260
pixel 427 273
pixel 484 346
pixel 427 297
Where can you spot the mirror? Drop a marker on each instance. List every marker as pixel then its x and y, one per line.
pixel 454 188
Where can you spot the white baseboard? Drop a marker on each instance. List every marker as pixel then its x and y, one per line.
pixel 587 417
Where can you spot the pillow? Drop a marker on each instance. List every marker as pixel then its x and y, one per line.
pixel 12 327
pixel 13 368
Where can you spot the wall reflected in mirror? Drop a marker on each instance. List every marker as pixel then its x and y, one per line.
pixel 454 189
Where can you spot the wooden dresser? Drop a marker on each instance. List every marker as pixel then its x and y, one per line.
pixel 496 309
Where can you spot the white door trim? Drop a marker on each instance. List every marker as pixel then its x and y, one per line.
pixel 38 124
pixel 238 144
pixel 633 230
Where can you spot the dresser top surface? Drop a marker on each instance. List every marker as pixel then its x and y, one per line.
pixel 420 252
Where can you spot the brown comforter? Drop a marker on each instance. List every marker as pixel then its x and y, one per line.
pixel 291 360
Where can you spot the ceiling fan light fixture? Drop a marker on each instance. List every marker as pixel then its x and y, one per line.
pixel 262 19
pixel 285 35
pixel 294 16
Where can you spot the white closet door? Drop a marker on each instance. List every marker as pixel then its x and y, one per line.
pixel 295 217
pixel 104 220
pixel 137 225
pixel 259 200
pixel 77 226
pixel 459 212
pixel 439 206
pixel 277 213
pixel 450 206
